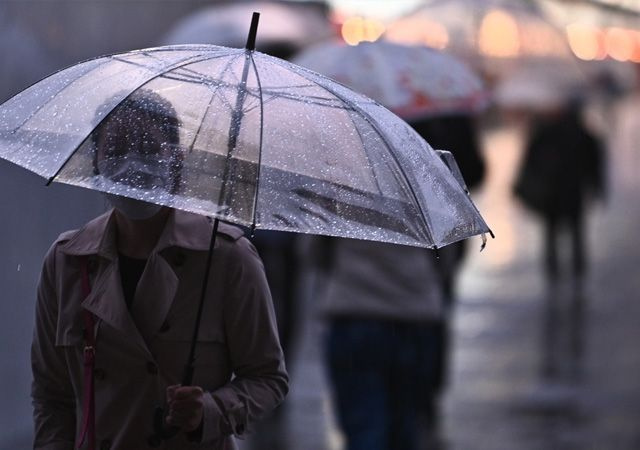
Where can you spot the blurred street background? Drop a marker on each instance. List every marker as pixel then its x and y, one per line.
pixel 531 367
pixel 530 370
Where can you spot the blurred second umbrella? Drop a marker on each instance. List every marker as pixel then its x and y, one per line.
pixel 415 82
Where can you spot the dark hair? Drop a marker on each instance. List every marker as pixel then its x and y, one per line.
pixel 126 127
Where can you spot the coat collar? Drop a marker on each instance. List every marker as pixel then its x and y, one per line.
pixel 98 237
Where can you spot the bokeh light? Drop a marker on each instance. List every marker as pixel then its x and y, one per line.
pixel 619 43
pixel 498 35
pixel 586 42
pixel 358 29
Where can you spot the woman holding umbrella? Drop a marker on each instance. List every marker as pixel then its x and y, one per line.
pixel 117 302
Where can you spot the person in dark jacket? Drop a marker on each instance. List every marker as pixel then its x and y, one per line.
pixel 561 173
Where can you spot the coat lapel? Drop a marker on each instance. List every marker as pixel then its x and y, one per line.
pixel 158 285
pixel 154 295
pixel 106 301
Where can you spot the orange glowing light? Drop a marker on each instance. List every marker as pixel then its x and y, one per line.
pixel 498 35
pixel 619 44
pixel 358 29
pixel 586 42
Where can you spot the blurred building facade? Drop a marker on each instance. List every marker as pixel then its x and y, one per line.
pixel 41 36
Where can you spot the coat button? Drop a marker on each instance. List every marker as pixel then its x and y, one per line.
pixel 105 445
pixel 99 374
pixel 165 327
pixel 152 368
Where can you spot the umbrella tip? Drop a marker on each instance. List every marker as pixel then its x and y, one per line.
pixel 253 31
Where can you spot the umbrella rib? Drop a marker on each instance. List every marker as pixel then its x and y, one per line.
pixel 204 116
pixel 316 100
pixel 367 155
pixel 149 54
pixel 234 131
pixel 147 81
pixel 366 116
pixel 193 76
pixel 259 165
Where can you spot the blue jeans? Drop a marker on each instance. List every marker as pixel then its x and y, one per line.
pixel 382 373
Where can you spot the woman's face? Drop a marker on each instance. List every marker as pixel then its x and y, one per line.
pixel 135 163
pixel 140 159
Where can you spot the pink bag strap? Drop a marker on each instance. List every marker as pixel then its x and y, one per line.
pixel 88 429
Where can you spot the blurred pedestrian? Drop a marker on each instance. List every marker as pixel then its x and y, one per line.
pixel 116 308
pixel 379 304
pixel 561 173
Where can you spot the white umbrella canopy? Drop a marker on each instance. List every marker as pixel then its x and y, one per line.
pixel 413 81
pixel 262 143
pixel 286 24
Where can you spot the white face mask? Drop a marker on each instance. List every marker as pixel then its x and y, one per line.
pixel 133 209
pixel 147 172
pixel 135 174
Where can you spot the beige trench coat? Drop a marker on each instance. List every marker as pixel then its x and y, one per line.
pixel 238 359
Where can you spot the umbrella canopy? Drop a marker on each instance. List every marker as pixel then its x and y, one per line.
pixel 413 81
pixel 258 142
pixel 292 25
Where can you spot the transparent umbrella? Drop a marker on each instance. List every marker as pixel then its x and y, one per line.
pixel 414 81
pixel 264 143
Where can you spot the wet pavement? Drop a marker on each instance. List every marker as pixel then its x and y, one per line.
pixel 533 366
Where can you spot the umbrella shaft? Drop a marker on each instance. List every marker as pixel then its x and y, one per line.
pixel 187 375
